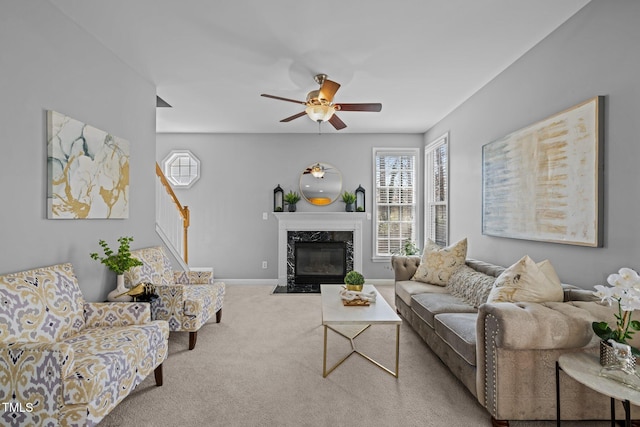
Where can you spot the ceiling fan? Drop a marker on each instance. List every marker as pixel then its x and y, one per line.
pixel 320 106
pixel 316 170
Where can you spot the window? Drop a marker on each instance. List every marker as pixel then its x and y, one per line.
pixel 181 168
pixel 436 184
pixel 395 200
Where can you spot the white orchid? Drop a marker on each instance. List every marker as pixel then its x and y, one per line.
pixel 625 290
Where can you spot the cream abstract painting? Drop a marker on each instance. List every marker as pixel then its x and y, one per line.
pixel 544 182
pixel 88 171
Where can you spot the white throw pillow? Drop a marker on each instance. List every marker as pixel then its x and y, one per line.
pixel 526 281
pixel 438 263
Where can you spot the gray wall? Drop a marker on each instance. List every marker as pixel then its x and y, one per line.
pixel 48 62
pixel 239 173
pixel 594 53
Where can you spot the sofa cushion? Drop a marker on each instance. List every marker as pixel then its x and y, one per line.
pixel 40 305
pixel 470 285
pixel 526 281
pixel 427 306
pixel 438 263
pixel 459 331
pixel 407 288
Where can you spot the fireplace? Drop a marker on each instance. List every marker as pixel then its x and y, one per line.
pixel 313 227
pixel 319 262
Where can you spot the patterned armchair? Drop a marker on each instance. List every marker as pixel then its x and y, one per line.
pixel 67 362
pixel 187 299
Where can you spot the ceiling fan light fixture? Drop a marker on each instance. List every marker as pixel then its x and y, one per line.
pixel 320 113
pixel 317 170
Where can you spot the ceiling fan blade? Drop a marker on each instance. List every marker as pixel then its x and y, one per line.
pixel 295 116
pixel 337 123
pixel 374 107
pixel 283 99
pixel 328 90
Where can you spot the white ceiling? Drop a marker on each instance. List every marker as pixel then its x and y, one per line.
pixel 211 60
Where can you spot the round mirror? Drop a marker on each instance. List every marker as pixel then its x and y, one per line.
pixel 320 184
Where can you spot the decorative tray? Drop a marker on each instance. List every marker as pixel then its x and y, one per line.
pixel 355 302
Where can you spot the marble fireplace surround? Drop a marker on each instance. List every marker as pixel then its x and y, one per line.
pixel 317 221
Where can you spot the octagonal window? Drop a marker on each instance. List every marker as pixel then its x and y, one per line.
pixel 181 168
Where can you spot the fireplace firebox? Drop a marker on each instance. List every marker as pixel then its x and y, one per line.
pixel 320 262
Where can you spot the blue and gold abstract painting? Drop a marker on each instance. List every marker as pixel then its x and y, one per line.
pixel 88 171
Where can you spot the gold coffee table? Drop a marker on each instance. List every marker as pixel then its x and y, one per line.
pixel 350 322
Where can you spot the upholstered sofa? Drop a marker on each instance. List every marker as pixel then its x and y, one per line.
pixel 65 361
pixel 187 299
pixel 504 352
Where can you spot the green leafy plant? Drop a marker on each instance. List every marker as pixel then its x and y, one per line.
pixel 360 209
pixel 354 278
pixel 117 262
pixel 348 197
pixel 408 248
pixel 292 197
pixel 625 290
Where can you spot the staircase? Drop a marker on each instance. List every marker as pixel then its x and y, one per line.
pixel 172 220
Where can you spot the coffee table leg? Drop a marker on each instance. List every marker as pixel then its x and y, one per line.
pixel 397 349
pixel 324 357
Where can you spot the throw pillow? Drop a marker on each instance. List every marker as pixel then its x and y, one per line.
pixel 526 281
pixel 470 285
pixel 438 263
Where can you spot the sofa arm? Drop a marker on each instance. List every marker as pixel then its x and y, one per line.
pixel 404 267
pixel 193 277
pixel 32 382
pixel 534 326
pixel 99 314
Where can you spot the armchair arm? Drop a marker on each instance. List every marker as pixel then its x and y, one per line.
pixel 31 379
pixel 404 267
pixel 193 277
pixel 98 314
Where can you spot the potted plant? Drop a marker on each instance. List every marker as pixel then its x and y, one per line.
pixel 625 291
pixel 354 281
pixel 408 248
pixel 291 198
pixel 349 199
pixel 118 263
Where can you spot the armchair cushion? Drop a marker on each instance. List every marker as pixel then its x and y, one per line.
pixel 116 314
pixel 42 305
pixel 108 360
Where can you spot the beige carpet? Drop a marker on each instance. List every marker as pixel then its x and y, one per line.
pixel 262 366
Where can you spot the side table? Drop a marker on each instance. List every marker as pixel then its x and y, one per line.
pixel 585 368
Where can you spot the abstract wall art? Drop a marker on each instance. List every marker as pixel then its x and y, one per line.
pixel 544 182
pixel 88 171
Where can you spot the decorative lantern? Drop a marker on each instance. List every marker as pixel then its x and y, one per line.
pixel 278 199
pixel 360 206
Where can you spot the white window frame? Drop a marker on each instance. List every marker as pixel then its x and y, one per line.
pixel 429 188
pixel 397 151
pixel 183 175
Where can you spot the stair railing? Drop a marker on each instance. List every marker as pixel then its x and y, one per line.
pixel 172 219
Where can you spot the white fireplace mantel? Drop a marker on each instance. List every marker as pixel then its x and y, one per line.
pixel 317 221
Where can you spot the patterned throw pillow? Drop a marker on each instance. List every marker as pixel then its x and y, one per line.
pixel 438 263
pixel 470 285
pixel 526 281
